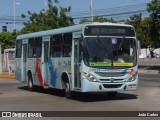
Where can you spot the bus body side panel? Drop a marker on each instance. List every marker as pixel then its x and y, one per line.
pixel 55 73
pixel 32 69
pixel 23 65
pixel 66 68
pixel 18 69
pixel 24 59
pixel 60 66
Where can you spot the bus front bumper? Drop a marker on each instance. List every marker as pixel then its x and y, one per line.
pixel 88 86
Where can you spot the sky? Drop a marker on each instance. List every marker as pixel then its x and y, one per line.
pixel 22 6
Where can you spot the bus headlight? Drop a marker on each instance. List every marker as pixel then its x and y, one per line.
pixel 132 77
pixel 90 76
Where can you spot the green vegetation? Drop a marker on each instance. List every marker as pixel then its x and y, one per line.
pixel 96 19
pixel 148 29
pixel 154 23
pixel 54 17
pixel 7 39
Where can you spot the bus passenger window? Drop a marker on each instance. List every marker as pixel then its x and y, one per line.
pixel 67 44
pixel 67 51
pixel 30 47
pixel 18 49
pixel 38 46
pixel 56 46
pixel 35 47
pixel 56 51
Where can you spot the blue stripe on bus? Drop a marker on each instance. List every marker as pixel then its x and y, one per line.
pixel 125 71
pixel 52 72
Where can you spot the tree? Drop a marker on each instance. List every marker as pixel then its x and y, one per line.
pixel 154 9
pixel 144 33
pixel 7 39
pixel 136 21
pixel 96 19
pixel 54 17
pixel 142 27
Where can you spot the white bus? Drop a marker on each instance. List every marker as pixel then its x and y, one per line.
pixel 92 57
pixel 9 59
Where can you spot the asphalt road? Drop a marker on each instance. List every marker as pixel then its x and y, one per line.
pixel 14 96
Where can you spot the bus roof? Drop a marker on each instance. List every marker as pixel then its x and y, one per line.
pixel 74 28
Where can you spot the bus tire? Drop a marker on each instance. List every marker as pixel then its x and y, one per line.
pixel 112 94
pixel 68 93
pixel 30 83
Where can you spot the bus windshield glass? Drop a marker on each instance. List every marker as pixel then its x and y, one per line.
pixel 109 52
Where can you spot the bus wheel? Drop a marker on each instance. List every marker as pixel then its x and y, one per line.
pixel 67 91
pixel 30 83
pixel 111 94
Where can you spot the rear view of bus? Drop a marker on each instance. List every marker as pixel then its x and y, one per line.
pixel 109 59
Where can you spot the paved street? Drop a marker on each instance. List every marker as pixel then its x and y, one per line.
pixel 149 62
pixel 15 96
pixel 149 66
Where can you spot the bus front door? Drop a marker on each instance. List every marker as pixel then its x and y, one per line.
pixel 77 53
pixel 45 55
pixel 24 62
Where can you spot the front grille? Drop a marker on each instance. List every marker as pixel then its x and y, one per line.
pixel 110 74
pixel 109 80
pixel 112 85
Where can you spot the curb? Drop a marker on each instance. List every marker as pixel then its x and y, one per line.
pixel 7 76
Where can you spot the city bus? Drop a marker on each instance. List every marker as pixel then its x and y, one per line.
pixel 90 57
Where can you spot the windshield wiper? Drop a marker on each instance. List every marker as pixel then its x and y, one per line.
pixel 98 38
pixel 121 43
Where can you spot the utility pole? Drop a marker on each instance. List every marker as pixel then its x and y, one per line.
pixel 91 9
pixel 14 14
pixel 45 5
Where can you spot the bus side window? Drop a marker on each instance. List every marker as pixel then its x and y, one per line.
pixel 67 44
pixel 30 47
pixel 35 47
pixel 18 49
pixel 56 46
pixel 38 46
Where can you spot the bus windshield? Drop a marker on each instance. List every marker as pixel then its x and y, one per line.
pixel 109 52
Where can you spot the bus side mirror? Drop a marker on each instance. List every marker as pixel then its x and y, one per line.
pixel 138 47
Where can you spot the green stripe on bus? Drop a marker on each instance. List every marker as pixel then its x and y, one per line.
pixel 100 63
